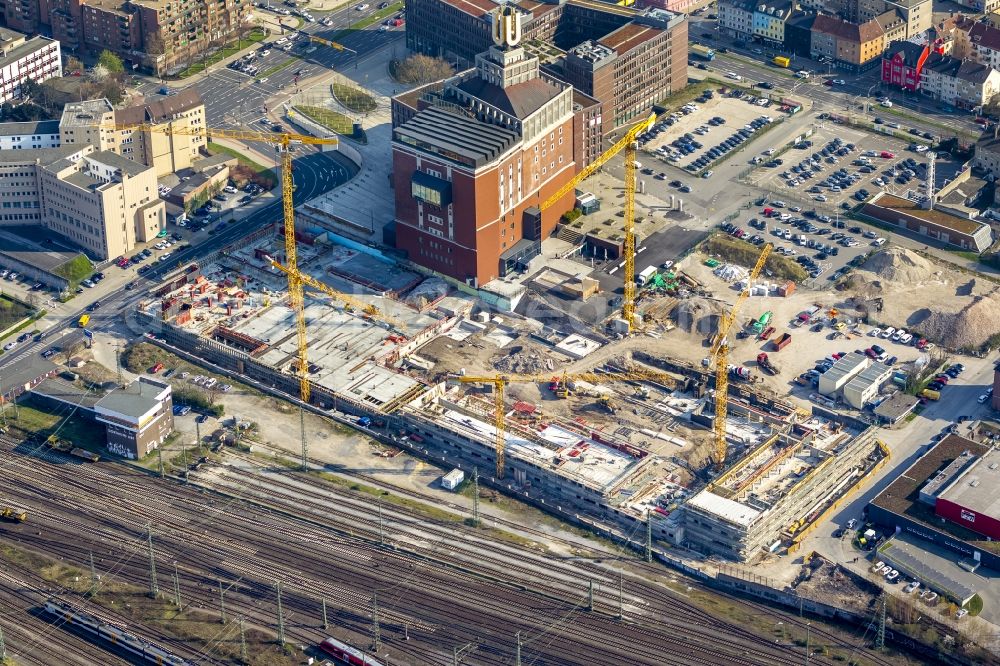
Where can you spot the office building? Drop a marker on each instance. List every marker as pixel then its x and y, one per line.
pixel 493 143
pixel 23 59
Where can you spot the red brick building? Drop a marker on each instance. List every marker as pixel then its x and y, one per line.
pixel 902 64
pixel 488 146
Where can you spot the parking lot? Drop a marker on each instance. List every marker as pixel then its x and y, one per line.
pixel 824 245
pixel 842 166
pixel 703 132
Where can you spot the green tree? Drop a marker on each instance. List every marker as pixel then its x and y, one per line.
pixel 111 62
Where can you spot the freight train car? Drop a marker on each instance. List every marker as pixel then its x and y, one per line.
pixel 139 649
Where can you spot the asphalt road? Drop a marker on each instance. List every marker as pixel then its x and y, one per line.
pixel 233 98
pixel 834 99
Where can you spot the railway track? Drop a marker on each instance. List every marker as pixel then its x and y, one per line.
pixel 437 608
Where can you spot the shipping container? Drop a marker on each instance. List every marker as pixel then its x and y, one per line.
pixel 452 479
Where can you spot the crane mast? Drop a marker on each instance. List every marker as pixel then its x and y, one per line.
pixel 720 352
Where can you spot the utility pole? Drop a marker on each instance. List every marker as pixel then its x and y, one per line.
pixel 326 625
pixel 93 577
pixel 475 496
pixel 118 363
pixel 243 642
pixel 381 526
pixel 159 457
pixel 177 587
pixel 517 653
pixel 376 632
pixel 197 434
pixel 590 595
pixel 154 589
pixel 880 636
pixel 808 649
pixel 184 453
pixel 222 602
pixel 305 445
pixel 621 596
pixel 649 536
pixel 281 620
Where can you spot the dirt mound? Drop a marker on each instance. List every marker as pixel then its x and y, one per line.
pixel 899 265
pixel 969 328
pixel 699 315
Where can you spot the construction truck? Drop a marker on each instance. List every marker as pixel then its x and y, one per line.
pixel 12 514
pixel 764 363
pixel 761 322
pixel 740 372
pixel 608 404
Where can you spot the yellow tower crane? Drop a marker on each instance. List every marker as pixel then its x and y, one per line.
pixel 499 383
pixel 283 142
pixel 720 354
pixel 628 144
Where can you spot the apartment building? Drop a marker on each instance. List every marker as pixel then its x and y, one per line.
pixel 769 18
pixel 23 59
pixel 736 18
pixel 852 46
pixel 93 122
pixel 100 200
pixel 978 41
pixel 965 84
pixel 157 35
pixel 29 135
pixel 902 64
pixel 917 15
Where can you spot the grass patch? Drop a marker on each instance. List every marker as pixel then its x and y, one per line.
pixel 377 17
pixel 690 92
pixel 277 68
pixel 252 37
pixel 76 270
pixel 12 311
pixel 33 420
pixel 200 629
pixel 262 171
pixel 967 254
pixel 331 120
pixel 741 252
pixel 355 99
pixel 975 605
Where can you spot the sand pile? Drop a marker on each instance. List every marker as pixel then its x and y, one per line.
pixel 899 265
pixel 969 328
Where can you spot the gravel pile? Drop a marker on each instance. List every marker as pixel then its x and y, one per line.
pixel 969 328
pixel 699 315
pixel 899 265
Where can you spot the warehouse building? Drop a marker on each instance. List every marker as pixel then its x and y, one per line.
pixel 863 388
pixel 843 371
pixel 955 473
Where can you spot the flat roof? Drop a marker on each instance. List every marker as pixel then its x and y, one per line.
pixel 976 489
pixel 934 216
pixel 26 49
pixel 24 371
pixel 897 406
pixel 902 496
pixel 136 399
pixel 453 133
pixel 41 156
pixel 24 243
pixel 727 509
pixel 629 36
pixel 68 392
pixel 123 164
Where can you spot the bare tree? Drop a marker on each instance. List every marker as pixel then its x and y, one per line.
pixel 422 69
